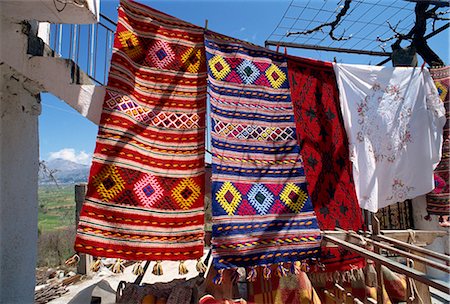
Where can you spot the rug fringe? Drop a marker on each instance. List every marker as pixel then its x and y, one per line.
pixel 72 261
pixel 95 266
pixel 157 269
pixel 117 267
pixel 138 269
pixel 200 266
pixel 182 269
pixel 251 274
pixel 219 277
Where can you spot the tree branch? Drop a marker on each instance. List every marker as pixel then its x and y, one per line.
pixel 417 33
pixel 397 35
pixel 332 25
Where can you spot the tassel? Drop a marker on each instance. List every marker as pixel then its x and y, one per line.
pixel 427 217
pixel 297 268
pixel 95 266
pixel 305 267
pixel 251 276
pixel 219 277
pixel 441 219
pixel 267 272
pixel 234 276
pixel 157 269
pixel 292 269
pixel 117 267
pixel 281 271
pixel 182 269
pixel 138 269
pixel 200 266
pixel 72 261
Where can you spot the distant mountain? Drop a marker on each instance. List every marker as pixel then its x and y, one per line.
pixel 64 171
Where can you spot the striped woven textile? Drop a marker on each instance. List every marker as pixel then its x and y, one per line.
pixel 438 201
pixel 262 213
pixel 324 147
pixel 146 185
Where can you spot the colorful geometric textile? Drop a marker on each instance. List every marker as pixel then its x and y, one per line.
pixel 394 119
pixel 324 148
pixel 262 213
pixel 146 184
pixel 438 201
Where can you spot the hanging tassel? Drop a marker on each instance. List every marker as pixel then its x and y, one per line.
pixel 295 268
pixel 267 272
pixel 157 269
pixel 427 217
pixel 138 269
pixel 251 274
pixel 200 266
pixel 72 261
pixel 182 269
pixel 95 266
pixel 441 219
pixel 281 271
pixel 305 267
pixel 117 267
pixel 234 276
pixel 219 277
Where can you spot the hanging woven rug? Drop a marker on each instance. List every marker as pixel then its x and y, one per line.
pixel 146 185
pixel 324 148
pixel 262 214
pixel 438 201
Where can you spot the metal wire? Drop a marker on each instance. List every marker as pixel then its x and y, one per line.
pixel 365 22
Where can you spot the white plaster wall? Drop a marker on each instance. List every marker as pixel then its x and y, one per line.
pixel 19 155
pixel 440 245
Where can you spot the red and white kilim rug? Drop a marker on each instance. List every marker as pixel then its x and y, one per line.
pixel 146 186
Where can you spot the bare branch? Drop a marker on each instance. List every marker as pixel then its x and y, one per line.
pixel 46 171
pixel 332 25
pixel 397 35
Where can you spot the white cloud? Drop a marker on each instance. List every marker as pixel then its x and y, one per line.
pixel 70 154
pixel 242 29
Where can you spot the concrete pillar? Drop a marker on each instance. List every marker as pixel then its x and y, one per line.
pixel 19 164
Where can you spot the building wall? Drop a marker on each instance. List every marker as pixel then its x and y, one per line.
pixel 19 164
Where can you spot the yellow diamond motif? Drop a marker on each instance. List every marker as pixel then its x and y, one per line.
pixel 267 132
pixel 192 60
pixel 130 44
pixel 108 182
pixel 228 197
pixel 219 67
pixel 293 197
pixel 186 193
pixel 441 89
pixel 275 76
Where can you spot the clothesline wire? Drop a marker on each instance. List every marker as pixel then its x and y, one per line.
pixel 365 16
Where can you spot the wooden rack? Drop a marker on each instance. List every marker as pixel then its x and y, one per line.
pixel 406 244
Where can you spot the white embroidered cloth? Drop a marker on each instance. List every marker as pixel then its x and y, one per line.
pixel 394 120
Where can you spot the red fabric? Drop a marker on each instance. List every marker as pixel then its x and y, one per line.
pixel 145 193
pixel 325 153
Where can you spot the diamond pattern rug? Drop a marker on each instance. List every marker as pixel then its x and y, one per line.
pixel 146 185
pixel 262 214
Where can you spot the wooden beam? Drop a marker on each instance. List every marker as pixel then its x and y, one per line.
pixel 414 248
pixel 405 254
pixel 393 265
pixel 325 48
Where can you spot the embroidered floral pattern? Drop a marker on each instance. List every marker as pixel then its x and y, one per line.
pixel 379 118
pixel 400 191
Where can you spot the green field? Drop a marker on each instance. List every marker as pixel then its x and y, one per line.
pixel 56 207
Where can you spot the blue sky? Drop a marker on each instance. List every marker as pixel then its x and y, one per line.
pixel 66 134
